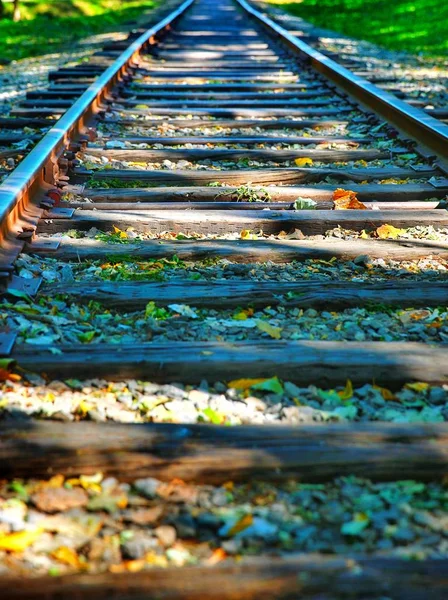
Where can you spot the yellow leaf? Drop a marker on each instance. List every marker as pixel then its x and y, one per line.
pixel 304 162
pixel 67 556
pixel 18 542
pixel 123 234
pixel 84 408
pixel 245 234
pixel 347 392
pixel 389 232
pixel 156 560
pixel 244 384
pixel 274 332
pixel 241 316
pixel 241 525
pixel 386 394
pixel 418 386
pixel 132 566
pixel 347 200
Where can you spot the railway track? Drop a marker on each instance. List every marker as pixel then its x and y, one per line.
pixel 30 119
pixel 227 209
pixel 416 80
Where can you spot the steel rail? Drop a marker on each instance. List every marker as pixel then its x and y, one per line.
pixel 36 171
pixel 413 121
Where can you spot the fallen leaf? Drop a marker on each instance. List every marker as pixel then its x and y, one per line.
pixel 269 385
pixel 6 365
pixel 108 501
pixel 213 416
pixel 18 542
pixel 218 555
pixel 389 232
pixel 91 483
pixel 386 394
pixel 244 384
pixel 184 310
pixel 418 386
pixel 242 524
pixel 122 234
pixel 356 526
pixel 304 204
pixel 347 200
pixel 67 556
pixel 83 408
pixel 128 566
pixel 304 162
pixel 347 392
pixel 245 234
pixel 144 516
pixel 178 491
pixel 273 332
pixel 86 337
pixel 59 499
pixel 417 315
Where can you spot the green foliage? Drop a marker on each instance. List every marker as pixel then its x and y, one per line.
pixel 52 25
pixel 411 25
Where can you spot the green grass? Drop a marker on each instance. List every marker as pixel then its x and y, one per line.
pixel 49 26
pixel 419 26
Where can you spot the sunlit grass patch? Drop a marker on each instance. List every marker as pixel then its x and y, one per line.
pixel 49 26
pixel 411 25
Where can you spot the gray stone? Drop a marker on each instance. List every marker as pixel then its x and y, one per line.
pixel 147 487
pixel 438 396
pixel 138 545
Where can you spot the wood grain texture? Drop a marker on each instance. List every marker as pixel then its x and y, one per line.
pixel 215 454
pixel 321 193
pixel 245 251
pixel 304 362
pixel 327 295
pixel 216 222
pixel 195 154
pixel 308 577
pixel 257 176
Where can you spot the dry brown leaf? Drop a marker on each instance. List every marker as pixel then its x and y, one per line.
pixel 347 200
pixel 144 516
pixel 178 491
pixel 58 499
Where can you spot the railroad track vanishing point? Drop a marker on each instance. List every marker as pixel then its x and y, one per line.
pixel 208 201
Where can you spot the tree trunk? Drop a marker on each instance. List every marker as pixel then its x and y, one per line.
pixel 16 11
pixel 2 9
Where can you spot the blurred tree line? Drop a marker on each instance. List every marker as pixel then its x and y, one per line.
pixel 15 10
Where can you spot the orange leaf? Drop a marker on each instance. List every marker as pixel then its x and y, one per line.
pixel 241 525
pixel 218 555
pixel 67 556
pixel 347 200
pixel 244 384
